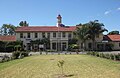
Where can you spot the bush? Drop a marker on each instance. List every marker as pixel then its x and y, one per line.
pixel 112 56
pixel 51 50
pixel 117 57
pixel 25 54
pixel 16 55
pixel 107 56
pixel 4 58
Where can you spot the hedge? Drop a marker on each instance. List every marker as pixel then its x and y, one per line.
pixel 106 55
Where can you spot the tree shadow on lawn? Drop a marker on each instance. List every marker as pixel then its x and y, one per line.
pixel 62 75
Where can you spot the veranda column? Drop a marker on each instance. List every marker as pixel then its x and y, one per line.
pixel 51 45
pixel 66 45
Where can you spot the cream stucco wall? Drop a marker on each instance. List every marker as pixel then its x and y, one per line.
pixel 52 39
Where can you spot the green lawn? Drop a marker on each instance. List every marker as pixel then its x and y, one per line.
pixel 45 66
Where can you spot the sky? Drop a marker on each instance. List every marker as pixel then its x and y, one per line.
pixel 73 12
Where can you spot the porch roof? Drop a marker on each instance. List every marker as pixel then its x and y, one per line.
pixel 111 38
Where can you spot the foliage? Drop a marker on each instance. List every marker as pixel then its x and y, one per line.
pixel 113 33
pixel 73 47
pixel 72 41
pixel 4 58
pixel 43 41
pixel 60 64
pixel 24 23
pixel 51 50
pixel 81 33
pixel 89 30
pixel 17 55
pixel 8 29
pixel 106 55
pixel 10 46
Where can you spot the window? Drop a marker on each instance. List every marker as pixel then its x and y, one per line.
pixel 54 46
pixel 59 34
pixel 54 34
pixel 36 35
pixel 69 35
pixel 64 46
pixel 48 35
pixel 63 34
pixel 28 35
pixel 21 35
pixel 81 45
pixel 43 35
pixel 90 45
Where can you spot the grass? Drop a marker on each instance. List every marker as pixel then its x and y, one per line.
pixel 45 66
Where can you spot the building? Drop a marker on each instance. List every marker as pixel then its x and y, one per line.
pixel 112 41
pixel 58 35
pixel 8 38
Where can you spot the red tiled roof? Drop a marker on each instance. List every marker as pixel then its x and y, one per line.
pixel 7 38
pixel 45 28
pixel 114 37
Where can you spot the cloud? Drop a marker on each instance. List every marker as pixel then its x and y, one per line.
pixel 107 12
pixel 118 9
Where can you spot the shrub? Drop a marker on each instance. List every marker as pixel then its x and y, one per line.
pixel 16 55
pixel 117 57
pixel 112 56
pixel 107 56
pixel 60 65
pixel 97 54
pixel 103 55
pixel 4 58
pixel 25 54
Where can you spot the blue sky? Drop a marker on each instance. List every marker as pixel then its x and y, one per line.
pixel 44 12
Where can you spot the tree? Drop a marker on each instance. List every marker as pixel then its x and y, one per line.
pixel 4 29
pixel 23 23
pixel 11 29
pixel 60 65
pixel 94 29
pixel 81 33
pixel 72 41
pixel 113 33
pixel 8 29
pixel 43 41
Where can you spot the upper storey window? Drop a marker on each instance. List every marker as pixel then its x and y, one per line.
pixel 69 35
pixel 21 35
pixel 54 34
pixel 43 34
pixel 28 35
pixel 63 34
pixel 36 35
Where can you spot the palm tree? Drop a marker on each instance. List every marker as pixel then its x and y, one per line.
pixel 94 29
pixel 81 33
pixel 23 23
